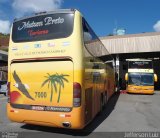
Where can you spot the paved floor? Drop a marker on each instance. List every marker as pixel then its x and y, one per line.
pixel 124 113
pixel 133 113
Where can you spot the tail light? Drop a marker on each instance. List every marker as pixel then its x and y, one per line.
pixel 76 94
pixel 8 91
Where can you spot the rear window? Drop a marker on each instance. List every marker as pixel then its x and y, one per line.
pixel 44 27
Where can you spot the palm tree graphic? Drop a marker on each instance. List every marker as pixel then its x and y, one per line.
pixel 53 81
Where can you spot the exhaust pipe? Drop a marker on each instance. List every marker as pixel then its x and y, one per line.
pixel 66 124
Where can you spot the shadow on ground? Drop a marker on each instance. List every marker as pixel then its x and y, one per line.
pixel 88 129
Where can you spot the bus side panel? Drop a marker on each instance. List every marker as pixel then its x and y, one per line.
pixel 88 105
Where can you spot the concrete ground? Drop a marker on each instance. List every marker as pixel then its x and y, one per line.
pixel 124 113
pixel 133 113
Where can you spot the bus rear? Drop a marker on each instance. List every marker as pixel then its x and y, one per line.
pixel 45 69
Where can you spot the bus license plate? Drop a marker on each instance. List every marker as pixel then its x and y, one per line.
pixel 38 108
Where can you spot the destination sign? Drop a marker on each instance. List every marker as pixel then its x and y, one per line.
pixel 140 64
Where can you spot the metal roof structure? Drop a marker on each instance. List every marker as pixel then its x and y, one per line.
pixel 134 43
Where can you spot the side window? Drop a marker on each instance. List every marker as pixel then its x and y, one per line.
pixel 87 39
pixel 85 28
pixel 92 43
pixel 86 32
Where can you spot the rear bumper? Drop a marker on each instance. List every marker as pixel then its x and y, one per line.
pixel 45 118
pixel 141 91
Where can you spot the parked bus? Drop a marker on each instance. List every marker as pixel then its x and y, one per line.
pixel 56 76
pixel 140 77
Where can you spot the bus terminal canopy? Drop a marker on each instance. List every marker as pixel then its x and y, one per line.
pixel 133 43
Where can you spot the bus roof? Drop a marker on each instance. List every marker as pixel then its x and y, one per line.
pixel 47 12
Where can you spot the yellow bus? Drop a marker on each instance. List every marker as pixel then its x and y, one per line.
pixel 140 77
pixel 56 76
